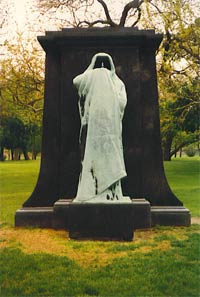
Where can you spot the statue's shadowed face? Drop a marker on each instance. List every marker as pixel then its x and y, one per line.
pixel 102 61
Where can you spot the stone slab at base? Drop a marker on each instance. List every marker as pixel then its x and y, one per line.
pixel 143 216
pixel 141 210
pixel 170 216
pixel 61 214
pixel 41 217
pixel 101 221
pixel 142 213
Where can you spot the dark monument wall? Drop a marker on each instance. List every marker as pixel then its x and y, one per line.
pixel 68 53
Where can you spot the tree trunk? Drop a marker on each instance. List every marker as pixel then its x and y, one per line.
pixel 26 156
pixel 1 154
pixel 34 155
pixel 180 152
pixel 15 155
pixel 9 155
pixel 175 154
pixel 167 148
pixel 12 154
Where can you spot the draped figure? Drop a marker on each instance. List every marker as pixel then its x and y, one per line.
pixel 102 100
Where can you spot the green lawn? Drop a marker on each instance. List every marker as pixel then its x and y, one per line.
pixel 162 261
pixel 172 272
pixel 183 175
pixel 18 178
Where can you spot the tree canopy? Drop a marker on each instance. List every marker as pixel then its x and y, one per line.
pixel 178 59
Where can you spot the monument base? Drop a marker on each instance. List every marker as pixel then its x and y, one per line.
pixel 101 221
pixel 170 216
pixel 61 214
pixel 41 217
pixel 141 215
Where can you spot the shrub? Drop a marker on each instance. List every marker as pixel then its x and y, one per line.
pixel 190 151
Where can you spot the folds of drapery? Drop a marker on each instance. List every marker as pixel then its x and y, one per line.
pixel 102 102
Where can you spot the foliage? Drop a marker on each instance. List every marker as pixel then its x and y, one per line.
pixel 179 118
pixel 178 60
pixel 17 135
pixel 178 57
pixel 178 81
pixel 14 134
pixel 190 150
pixel 22 82
pixel 21 98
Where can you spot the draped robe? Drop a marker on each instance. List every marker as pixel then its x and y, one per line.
pixel 101 105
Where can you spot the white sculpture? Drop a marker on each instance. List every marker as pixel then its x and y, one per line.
pixel 101 105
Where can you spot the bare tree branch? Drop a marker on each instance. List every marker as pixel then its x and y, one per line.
pixel 157 8
pixel 108 18
pixel 138 18
pixel 131 5
pixel 183 144
pixel 91 24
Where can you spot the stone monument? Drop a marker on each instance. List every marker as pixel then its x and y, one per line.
pixel 68 53
pixel 102 100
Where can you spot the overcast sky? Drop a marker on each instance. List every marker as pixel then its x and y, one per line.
pixel 23 16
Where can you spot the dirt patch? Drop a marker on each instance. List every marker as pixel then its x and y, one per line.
pixel 195 220
pixel 86 253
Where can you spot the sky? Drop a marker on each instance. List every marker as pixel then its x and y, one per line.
pixel 23 16
pixel 20 12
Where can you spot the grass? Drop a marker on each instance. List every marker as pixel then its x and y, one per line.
pixel 17 180
pixel 183 175
pixel 162 261
pixel 155 266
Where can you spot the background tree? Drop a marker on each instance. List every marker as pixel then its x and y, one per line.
pixel 34 145
pixel 22 81
pixel 21 97
pixel 19 138
pixel 14 137
pixel 88 13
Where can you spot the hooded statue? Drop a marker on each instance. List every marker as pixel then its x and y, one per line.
pixel 101 105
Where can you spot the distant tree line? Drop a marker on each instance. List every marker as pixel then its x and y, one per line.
pixel 19 139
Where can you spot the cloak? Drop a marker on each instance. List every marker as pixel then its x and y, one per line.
pixel 102 102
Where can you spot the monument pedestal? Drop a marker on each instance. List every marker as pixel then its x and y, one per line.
pixel 41 217
pixel 101 221
pixel 170 216
pixel 61 214
pixel 142 213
